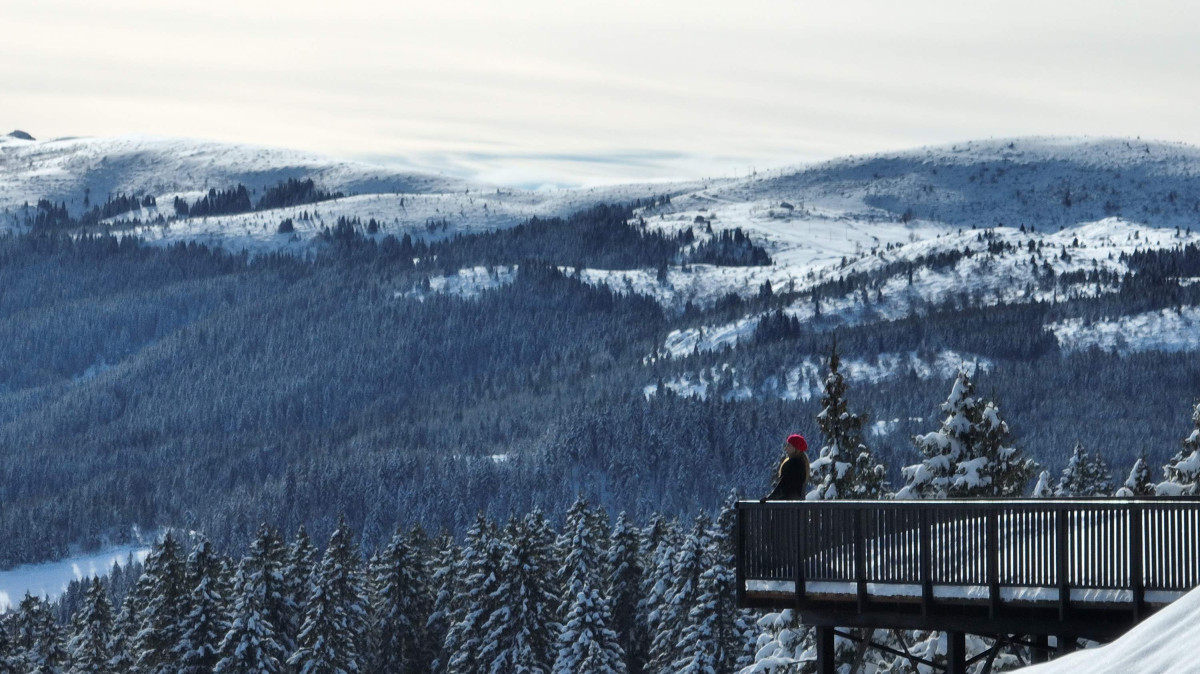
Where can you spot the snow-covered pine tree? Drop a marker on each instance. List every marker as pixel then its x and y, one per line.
pixel 845 467
pixel 250 646
pixel 586 641
pixel 336 611
pixel 301 559
pixel 784 646
pixel 7 657
pixel 719 635
pixel 1086 474
pixel 472 603
pixel 161 588
pixel 90 647
pixel 1043 489
pixel 683 594
pixel 625 580
pixel 38 640
pixel 970 454
pixel 444 564
pixel 1138 483
pixel 520 631
pixel 204 626
pixel 269 557
pixel 1182 472
pixel 581 514
pixel 402 603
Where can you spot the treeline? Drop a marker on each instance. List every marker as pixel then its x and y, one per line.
pixel 590 595
pixel 48 215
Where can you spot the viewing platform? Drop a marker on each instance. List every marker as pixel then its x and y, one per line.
pixel 1013 569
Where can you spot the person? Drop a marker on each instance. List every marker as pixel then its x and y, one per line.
pixel 793 472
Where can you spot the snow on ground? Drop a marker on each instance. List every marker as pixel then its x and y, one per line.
pixel 1164 642
pixel 50 579
pixel 1170 330
pixel 805 381
pixel 466 283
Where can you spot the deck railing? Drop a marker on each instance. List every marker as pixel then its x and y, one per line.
pixel 1127 546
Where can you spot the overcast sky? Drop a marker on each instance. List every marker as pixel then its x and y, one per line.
pixel 569 91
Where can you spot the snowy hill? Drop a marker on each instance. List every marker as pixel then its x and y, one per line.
pixel 1165 642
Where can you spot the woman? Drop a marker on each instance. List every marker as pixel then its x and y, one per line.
pixel 793 471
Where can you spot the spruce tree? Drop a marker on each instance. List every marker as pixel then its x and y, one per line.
pixel 161 589
pixel 1182 472
pixel 520 631
pixel 336 612
pixel 626 576
pixel 845 467
pixel 671 617
pixel 586 641
pixel 204 626
pixel 1086 474
pixel 250 646
pixel 301 560
pixel 402 604
pixel 39 647
pixel 270 557
pixel 970 454
pixel 91 643
pixel 1138 483
pixel 444 562
pixel 473 604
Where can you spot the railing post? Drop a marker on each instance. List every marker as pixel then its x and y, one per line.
pixel 926 560
pixel 798 568
pixel 993 560
pixel 1137 581
pixel 860 558
pixel 739 536
pixel 1063 567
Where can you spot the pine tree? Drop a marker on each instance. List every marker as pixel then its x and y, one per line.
pixel 402 605
pixel 970 454
pixel 250 646
pixel 161 589
pixel 301 559
pixel 1043 489
pixel 444 562
pixel 684 592
pixel 1182 472
pixel 845 467
pixel 1086 474
pixel 1138 483
pixel 717 635
pixel 336 612
pixel 625 580
pixel 204 626
pixel 38 639
pixel 269 557
pixel 469 610
pixel 519 632
pixel 586 641
pixel 91 641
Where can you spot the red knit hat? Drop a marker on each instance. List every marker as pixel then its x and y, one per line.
pixel 798 441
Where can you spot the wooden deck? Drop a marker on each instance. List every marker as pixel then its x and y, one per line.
pixel 1077 567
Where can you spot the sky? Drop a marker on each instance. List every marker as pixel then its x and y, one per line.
pixel 565 92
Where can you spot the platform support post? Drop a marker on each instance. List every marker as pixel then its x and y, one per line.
pixel 826 661
pixel 1041 650
pixel 956 653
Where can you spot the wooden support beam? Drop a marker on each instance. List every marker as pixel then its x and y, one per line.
pixel 826 660
pixel 1040 652
pixel 956 653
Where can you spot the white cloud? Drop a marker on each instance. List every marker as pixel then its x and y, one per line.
pixel 758 83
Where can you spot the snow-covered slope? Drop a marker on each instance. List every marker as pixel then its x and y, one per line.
pixel 49 580
pixel 1165 642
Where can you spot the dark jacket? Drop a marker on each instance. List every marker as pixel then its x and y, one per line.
pixel 791 479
